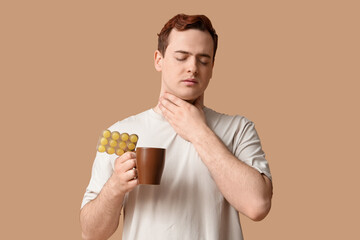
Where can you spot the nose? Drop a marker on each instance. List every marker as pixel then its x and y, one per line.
pixel 192 66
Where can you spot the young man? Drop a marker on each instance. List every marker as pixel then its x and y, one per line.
pixel 214 166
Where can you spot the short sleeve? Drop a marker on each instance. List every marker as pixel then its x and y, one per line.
pixel 101 171
pixel 248 148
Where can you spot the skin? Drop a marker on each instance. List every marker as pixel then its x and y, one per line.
pixel 182 106
pixel 186 69
pixel 99 218
pixel 189 55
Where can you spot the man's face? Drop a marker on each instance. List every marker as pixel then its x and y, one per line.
pixel 187 65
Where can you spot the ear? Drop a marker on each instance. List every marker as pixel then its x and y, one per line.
pixel 158 60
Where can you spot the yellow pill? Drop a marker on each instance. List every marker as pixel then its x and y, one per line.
pixel 115 135
pixel 131 146
pixel 106 134
pixel 110 150
pixel 101 148
pixel 103 141
pixel 119 152
pixel 124 137
pixel 133 138
pixel 113 143
pixel 122 145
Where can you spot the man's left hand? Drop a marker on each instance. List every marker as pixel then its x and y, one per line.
pixel 187 119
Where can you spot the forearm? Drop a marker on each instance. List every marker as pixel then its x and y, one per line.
pixel 243 186
pixel 99 218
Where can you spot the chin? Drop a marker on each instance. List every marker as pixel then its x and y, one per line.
pixel 188 98
pixel 186 94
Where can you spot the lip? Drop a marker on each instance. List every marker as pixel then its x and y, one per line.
pixel 190 81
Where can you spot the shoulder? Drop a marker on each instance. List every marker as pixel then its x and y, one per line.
pixel 130 121
pixel 215 118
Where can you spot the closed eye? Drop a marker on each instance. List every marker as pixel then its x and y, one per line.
pixel 204 63
pixel 180 59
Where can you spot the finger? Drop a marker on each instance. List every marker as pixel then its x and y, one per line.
pixel 130 175
pixel 128 165
pixel 175 100
pixel 133 183
pixel 126 156
pixel 169 106
pixel 123 168
pixel 168 115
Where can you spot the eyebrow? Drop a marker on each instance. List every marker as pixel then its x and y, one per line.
pixel 200 54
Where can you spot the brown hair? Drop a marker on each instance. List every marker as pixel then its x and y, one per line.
pixel 182 22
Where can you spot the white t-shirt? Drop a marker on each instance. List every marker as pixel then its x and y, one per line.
pixel 187 204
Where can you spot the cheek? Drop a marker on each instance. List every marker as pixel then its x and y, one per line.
pixel 169 74
pixel 173 69
pixel 174 66
pixel 208 73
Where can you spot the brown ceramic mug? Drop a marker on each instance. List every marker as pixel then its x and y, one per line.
pixel 150 164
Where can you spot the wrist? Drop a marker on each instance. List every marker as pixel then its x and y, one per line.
pixel 203 132
pixel 113 189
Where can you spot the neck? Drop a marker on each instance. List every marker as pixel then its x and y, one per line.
pixel 157 109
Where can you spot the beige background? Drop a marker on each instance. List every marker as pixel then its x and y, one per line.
pixel 69 69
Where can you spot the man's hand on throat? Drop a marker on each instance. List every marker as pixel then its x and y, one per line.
pixel 187 119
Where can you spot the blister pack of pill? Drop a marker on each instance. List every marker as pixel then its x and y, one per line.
pixel 118 143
